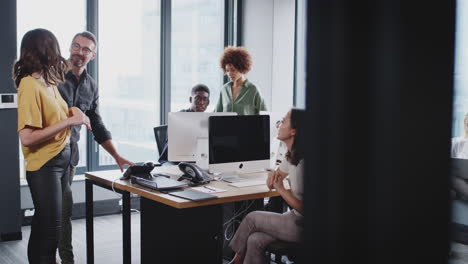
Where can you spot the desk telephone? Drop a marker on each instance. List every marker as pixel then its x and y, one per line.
pixel 194 174
pixel 141 171
pixel 191 172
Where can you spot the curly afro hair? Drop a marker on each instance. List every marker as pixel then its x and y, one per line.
pixel 239 57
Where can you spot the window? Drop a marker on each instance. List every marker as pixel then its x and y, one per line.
pixel 460 109
pixel 300 55
pixel 129 82
pixel 129 63
pixel 197 44
pixel 30 15
pixel 461 69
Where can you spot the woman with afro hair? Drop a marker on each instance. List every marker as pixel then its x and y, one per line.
pixel 239 94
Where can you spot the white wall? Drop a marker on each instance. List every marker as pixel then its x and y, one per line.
pixel 268 33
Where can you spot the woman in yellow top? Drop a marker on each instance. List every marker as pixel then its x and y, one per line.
pixel 44 122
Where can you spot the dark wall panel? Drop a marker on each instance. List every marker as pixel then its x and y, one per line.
pixel 10 224
pixel 379 99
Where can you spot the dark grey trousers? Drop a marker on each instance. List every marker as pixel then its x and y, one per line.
pixel 65 247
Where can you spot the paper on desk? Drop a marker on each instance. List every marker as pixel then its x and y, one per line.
pixel 208 189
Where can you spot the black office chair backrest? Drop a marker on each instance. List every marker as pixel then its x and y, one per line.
pixel 160 133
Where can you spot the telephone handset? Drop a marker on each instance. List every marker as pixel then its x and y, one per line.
pixel 194 173
pixel 141 171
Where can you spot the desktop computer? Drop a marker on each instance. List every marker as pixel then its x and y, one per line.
pixel 233 144
pixel 239 144
pixel 187 136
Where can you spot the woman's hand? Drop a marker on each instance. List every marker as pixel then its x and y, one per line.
pixel 78 118
pixel 269 181
pixel 278 182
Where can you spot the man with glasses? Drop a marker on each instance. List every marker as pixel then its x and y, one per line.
pixel 80 90
pixel 199 100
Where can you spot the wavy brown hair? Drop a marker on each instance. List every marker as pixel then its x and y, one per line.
pixel 40 52
pixel 239 57
pixel 297 150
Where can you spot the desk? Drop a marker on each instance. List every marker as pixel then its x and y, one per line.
pixel 173 230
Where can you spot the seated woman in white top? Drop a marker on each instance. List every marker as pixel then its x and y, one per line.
pixel 460 151
pixel 460 144
pixel 260 228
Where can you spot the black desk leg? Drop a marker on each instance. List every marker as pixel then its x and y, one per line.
pixel 89 223
pixel 127 248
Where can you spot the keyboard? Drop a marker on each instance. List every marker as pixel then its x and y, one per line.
pixel 247 183
pixel 159 183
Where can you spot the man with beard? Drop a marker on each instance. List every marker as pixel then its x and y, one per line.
pixel 80 90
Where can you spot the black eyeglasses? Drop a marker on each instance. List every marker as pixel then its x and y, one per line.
pixel 76 47
pixel 201 99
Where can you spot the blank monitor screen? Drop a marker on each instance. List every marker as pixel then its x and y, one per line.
pixel 234 139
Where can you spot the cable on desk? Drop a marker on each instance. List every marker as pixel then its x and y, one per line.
pixel 115 179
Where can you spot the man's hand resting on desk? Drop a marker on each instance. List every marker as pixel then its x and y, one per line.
pixel 121 161
pixel 109 147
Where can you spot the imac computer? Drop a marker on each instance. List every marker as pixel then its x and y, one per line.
pixel 187 136
pixel 239 144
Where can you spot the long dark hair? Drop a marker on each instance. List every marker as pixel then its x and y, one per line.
pixel 40 52
pixel 296 154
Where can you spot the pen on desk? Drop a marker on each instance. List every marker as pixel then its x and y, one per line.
pixel 209 188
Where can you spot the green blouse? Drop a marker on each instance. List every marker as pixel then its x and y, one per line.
pixel 248 101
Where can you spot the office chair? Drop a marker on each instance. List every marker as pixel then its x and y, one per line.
pixel 282 248
pixel 160 133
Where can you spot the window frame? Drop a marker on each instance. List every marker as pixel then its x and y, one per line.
pixel 299 64
pixel 232 36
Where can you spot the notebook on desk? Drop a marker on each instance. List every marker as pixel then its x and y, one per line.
pixel 192 195
pixel 157 182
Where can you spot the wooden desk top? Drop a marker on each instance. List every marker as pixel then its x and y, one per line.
pixel 233 194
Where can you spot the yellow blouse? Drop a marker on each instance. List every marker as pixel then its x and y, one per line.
pixel 39 108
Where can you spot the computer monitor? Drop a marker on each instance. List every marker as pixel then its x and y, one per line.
pixel 239 144
pixel 185 131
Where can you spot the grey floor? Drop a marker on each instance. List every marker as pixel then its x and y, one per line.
pixel 107 235
pixel 459 254
pixel 107 243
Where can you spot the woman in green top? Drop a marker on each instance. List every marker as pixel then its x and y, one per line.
pixel 239 95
